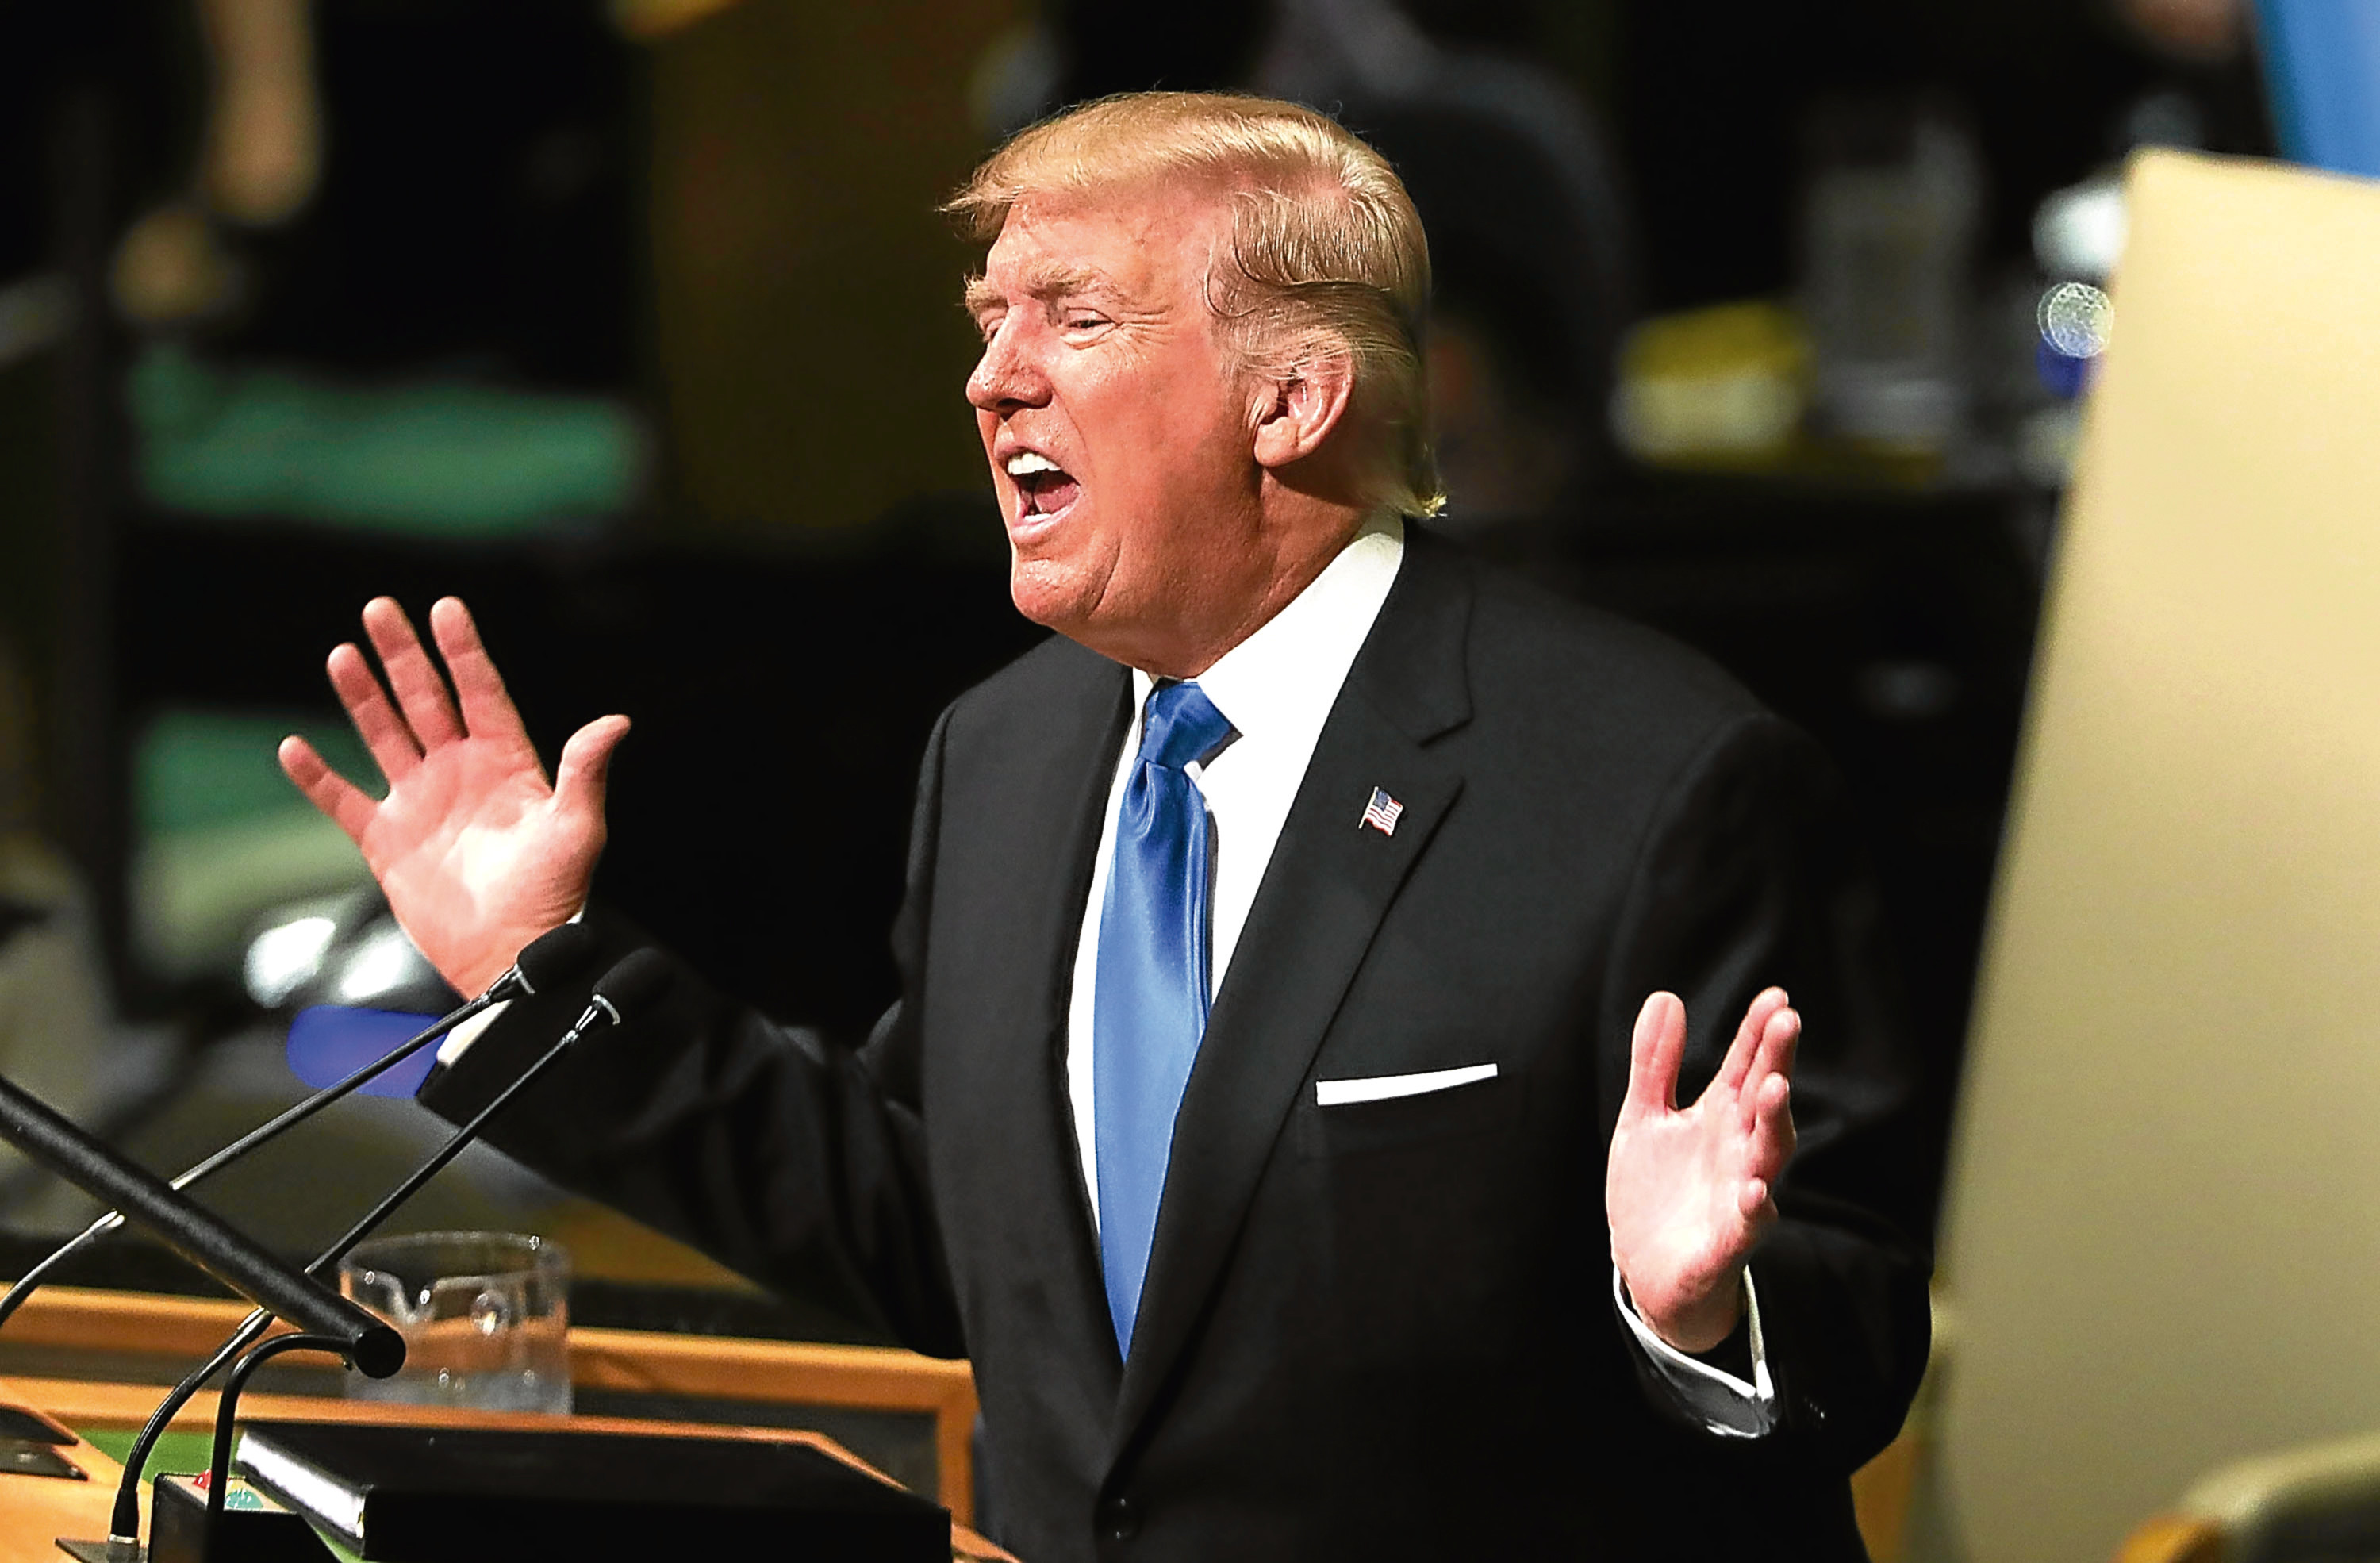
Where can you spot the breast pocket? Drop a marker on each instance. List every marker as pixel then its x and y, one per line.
pixel 1353 1117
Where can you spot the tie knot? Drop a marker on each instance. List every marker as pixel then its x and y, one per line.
pixel 1183 725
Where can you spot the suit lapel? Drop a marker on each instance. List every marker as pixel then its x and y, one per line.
pixel 1084 1293
pixel 1019 826
pixel 1330 882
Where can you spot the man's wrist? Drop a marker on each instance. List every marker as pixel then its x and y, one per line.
pixel 1728 1390
pixel 1701 1325
pixel 483 971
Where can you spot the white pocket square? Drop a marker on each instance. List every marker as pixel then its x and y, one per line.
pixel 1382 1087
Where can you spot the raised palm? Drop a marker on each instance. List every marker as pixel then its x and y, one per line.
pixel 1688 1191
pixel 477 854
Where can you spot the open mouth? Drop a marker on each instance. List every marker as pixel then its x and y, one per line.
pixel 1043 488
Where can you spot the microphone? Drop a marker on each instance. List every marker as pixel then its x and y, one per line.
pixel 629 986
pixel 546 962
pixel 196 1234
pixel 633 981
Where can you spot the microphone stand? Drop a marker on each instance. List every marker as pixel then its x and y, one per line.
pixel 36 1275
pixel 368 1344
pixel 555 955
pixel 198 1234
pixel 630 984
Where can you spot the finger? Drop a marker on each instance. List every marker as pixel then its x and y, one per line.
pixel 348 805
pixel 487 711
pixel 580 779
pixel 393 747
pixel 1773 1058
pixel 1738 1063
pixel 1771 1146
pixel 412 677
pixel 1654 1052
pixel 1785 1041
pixel 1752 1200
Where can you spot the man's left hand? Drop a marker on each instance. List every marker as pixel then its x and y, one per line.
pixel 1688 1191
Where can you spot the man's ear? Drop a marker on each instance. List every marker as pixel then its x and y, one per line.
pixel 1297 412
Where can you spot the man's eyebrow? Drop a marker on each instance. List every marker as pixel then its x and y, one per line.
pixel 1042 282
pixel 1054 281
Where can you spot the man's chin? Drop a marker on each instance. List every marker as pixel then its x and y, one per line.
pixel 1052 594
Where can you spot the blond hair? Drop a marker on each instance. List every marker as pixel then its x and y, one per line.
pixel 1326 250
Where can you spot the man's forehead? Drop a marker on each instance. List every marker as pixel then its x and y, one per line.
pixel 1121 242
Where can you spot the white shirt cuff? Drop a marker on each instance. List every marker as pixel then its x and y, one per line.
pixel 1726 1404
pixel 458 1041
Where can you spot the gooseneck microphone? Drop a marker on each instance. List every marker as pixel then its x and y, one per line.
pixel 545 963
pixel 627 987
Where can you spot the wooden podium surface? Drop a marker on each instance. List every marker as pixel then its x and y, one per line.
pixel 35 1511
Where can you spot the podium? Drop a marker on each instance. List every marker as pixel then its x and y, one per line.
pixel 35 1510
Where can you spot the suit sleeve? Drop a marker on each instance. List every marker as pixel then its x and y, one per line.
pixel 1748 876
pixel 786 1157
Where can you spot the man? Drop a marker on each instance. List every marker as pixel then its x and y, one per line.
pixel 1276 954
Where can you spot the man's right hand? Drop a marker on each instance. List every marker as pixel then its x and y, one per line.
pixel 476 854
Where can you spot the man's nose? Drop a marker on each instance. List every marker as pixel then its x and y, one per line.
pixel 1006 376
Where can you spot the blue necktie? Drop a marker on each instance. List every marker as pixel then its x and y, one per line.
pixel 1150 1007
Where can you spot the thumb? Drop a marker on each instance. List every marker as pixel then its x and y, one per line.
pixel 579 780
pixel 1655 1053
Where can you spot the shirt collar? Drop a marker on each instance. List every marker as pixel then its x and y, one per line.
pixel 1284 678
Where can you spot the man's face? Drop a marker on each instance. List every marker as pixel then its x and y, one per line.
pixel 1118 430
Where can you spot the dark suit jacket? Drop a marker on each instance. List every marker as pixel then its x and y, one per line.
pixel 1380 1330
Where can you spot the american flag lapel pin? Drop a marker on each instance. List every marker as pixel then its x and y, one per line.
pixel 1381 813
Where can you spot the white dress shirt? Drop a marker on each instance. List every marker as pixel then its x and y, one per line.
pixel 1276 689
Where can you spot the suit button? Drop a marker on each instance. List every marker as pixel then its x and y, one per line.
pixel 1119 1519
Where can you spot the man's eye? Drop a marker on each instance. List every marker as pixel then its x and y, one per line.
pixel 1084 323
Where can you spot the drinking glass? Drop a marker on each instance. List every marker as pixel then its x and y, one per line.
pixel 485 1318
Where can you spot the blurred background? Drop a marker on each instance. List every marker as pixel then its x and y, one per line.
pixel 633 323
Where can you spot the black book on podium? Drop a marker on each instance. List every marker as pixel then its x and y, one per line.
pixel 422 1495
